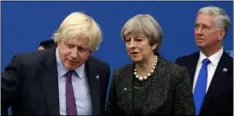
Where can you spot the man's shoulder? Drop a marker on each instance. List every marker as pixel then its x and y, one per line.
pixel 96 61
pixel 31 57
pixel 187 58
pixel 123 68
pixel 227 60
pixel 227 57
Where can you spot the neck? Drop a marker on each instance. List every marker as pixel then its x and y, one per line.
pixel 210 51
pixel 144 67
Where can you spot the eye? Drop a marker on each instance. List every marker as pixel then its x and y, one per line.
pixel 127 40
pixel 82 49
pixel 197 26
pixel 70 45
pixel 206 28
pixel 139 39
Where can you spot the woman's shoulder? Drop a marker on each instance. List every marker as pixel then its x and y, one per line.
pixel 123 68
pixel 170 65
pixel 176 71
pixel 178 74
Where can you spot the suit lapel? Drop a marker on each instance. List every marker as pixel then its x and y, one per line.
pixel 192 66
pixel 126 89
pixel 219 75
pixel 49 81
pixel 94 84
pixel 156 88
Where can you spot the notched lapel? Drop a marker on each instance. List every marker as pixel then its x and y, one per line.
pixel 94 85
pixel 219 76
pixel 125 89
pixel 49 83
pixel 192 66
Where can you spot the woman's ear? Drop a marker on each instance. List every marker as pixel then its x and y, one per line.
pixel 154 46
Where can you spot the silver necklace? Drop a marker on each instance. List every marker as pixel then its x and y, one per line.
pixel 149 74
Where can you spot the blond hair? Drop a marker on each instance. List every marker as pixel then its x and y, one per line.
pixel 79 24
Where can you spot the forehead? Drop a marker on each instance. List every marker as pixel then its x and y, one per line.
pixel 204 19
pixel 135 34
pixel 80 41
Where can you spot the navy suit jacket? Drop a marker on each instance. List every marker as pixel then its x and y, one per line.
pixel 30 84
pixel 219 98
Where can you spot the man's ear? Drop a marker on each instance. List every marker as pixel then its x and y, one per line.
pixel 221 35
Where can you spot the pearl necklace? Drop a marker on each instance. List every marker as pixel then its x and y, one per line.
pixel 149 74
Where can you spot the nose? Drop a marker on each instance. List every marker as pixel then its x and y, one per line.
pixel 132 44
pixel 74 53
pixel 198 31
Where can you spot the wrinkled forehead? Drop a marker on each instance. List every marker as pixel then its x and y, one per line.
pixel 204 19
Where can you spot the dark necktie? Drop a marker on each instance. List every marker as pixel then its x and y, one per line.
pixel 70 98
pixel 200 88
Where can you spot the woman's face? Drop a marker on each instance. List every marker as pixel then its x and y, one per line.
pixel 138 47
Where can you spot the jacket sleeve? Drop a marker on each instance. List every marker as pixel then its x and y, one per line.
pixel 10 84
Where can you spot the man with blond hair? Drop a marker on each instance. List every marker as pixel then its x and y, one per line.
pixel 65 80
pixel 211 69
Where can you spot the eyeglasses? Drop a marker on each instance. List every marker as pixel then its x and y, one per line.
pixel 204 28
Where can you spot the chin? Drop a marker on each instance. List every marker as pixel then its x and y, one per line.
pixel 136 59
pixel 200 45
pixel 71 67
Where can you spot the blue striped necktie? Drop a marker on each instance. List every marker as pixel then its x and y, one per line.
pixel 200 88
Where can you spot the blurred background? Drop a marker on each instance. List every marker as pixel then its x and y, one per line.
pixel 25 24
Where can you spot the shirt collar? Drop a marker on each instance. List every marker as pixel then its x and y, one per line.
pixel 214 59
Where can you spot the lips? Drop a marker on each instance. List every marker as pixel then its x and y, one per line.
pixel 133 52
pixel 199 39
pixel 74 62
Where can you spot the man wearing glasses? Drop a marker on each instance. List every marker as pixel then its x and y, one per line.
pixel 64 80
pixel 211 69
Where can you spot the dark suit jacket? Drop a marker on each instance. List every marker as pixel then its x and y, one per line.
pixel 170 93
pixel 30 84
pixel 219 98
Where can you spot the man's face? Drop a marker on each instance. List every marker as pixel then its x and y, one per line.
pixel 74 52
pixel 206 33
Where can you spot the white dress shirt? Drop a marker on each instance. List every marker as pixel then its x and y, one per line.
pixel 211 67
pixel 80 87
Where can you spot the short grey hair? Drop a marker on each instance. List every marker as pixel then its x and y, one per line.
pixel 145 24
pixel 79 24
pixel 221 18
